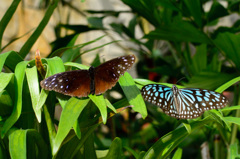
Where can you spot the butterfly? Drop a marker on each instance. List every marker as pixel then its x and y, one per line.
pixel 184 103
pixel 81 83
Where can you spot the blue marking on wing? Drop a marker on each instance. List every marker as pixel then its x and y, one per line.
pixel 161 95
pixel 199 99
pixel 206 99
pixel 198 93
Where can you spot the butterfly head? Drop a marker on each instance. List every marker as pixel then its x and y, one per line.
pixel 174 89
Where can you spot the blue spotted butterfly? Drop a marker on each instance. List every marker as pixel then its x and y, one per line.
pixel 184 103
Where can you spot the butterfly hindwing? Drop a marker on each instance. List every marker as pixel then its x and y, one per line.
pixel 159 95
pixel 72 83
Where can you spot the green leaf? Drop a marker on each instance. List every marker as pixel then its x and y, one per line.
pixel 229 44
pixel 231 108
pixel 214 79
pixel 178 31
pixel 6 18
pixel 145 8
pixel 5 78
pixel 6 104
pixel 99 101
pixel 178 154
pixel 80 66
pixel 33 84
pixel 3 58
pixel 18 144
pixel 18 84
pixel 234 151
pixel 96 22
pixel 195 9
pixel 217 11
pixel 69 115
pixel 166 144
pixel 227 85
pixel 133 94
pixel 109 105
pixel 199 61
pixel 12 60
pixel 234 120
pixel 115 150
pixel 188 127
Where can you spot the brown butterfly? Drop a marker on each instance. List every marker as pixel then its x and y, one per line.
pixel 97 80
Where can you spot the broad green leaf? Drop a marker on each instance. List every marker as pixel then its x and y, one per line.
pixel 115 150
pixel 80 66
pixel 109 105
pixel 234 120
pixel 33 84
pixel 199 61
pixel 133 94
pixel 195 9
pixel 214 79
pixel 68 118
pixel 99 101
pixel 145 8
pixel 188 127
pixel 55 65
pixel 178 154
pixel 166 144
pixel 231 108
pixel 9 59
pixel 18 84
pixel 5 79
pixel 6 18
pixel 12 60
pixel 229 44
pixel 18 144
pixel 74 145
pixel 227 84
pixel 3 58
pixel 95 22
pixel 6 104
pixel 234 151
pixel 178 31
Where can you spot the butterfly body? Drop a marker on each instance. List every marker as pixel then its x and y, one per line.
pixel 97 80
pixel 183 103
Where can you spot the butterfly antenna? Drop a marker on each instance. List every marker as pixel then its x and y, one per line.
pixel 180 80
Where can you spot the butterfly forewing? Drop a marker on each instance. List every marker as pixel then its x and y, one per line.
pixel 108 73
pixel 183 103
pixel 72 83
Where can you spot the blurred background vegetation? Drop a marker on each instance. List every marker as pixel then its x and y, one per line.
pixel 192 43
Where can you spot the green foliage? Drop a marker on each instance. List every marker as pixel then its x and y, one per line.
pixel 180 44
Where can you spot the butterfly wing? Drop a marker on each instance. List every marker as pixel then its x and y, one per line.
pixel 193 102
pixel 72 83
pixel 107 74
pixel 161 96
